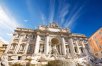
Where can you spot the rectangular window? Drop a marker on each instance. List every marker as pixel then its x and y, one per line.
pixel 30 49
pixel 69 51
pixel 41 48
pixel 33 36
pixel 75 49
pixel 96 41
pixel 96 54
pixel 18 36
pixel 94 37
pixel 81 49
pixel 26 36
pixel 19 57
pixel 43 38
pixel 100 33
pixel 100 47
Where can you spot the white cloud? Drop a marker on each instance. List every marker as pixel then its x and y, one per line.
pixel 7 20
pixel 3 40
pixel 63 13
pixel 9 34
pixel 43 18
pixel 52 10
pixel 26 20
pixel 7 23
pixel 75 16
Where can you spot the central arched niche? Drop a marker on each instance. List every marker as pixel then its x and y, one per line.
pixel 55 41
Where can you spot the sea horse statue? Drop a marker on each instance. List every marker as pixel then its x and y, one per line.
pixel 4 60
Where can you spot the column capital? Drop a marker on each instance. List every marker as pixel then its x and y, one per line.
pixel 62 36
pixel 38 33
pixel 46 34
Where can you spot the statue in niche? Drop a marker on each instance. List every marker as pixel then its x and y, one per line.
pixel 54 47
pixel 4 60
pixel 41 50
pixel 54 50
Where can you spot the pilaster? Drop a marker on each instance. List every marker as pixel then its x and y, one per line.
pixel 63 46
pixel 78 48
pixel 71 47
pixel 26 48
pixel 46 48
pixel 37 44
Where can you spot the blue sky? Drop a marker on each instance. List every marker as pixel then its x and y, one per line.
pixel 81 16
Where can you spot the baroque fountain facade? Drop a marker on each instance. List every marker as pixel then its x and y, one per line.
pixel 45 44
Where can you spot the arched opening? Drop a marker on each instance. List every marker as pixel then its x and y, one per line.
pixel 55 45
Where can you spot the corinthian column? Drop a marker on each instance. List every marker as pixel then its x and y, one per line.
pixel 37 45
pixel 78 48
pixel 71 46
pixel 46 45
pixel 63 46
